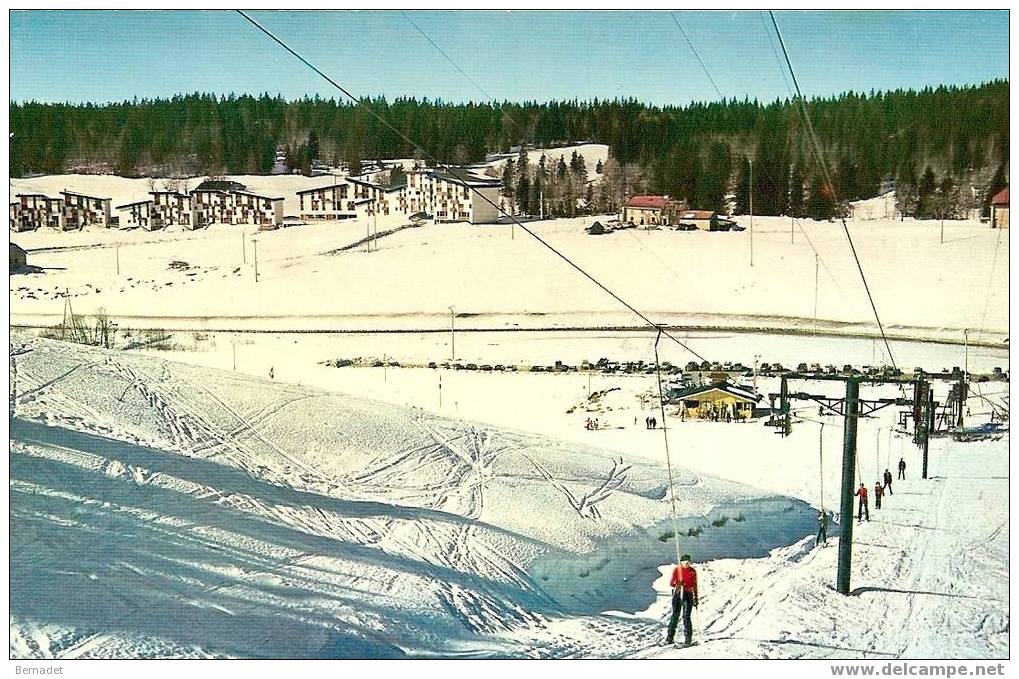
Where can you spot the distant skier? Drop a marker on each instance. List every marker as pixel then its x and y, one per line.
pixel 888 482
pixel 272 373
pixel 902 469
pixel 684 599
pixel 879 492
pixel 822 528
pixel 864 509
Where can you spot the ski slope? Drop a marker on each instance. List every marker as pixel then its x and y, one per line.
pixel 162 510
pixel 930 577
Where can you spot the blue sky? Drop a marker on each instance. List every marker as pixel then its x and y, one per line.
pixel 523 55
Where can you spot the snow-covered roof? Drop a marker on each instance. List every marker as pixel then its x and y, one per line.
pixel 322 188
pixel 83 195
pixel 724 387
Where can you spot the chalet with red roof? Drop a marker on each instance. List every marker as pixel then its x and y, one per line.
pixel 999 210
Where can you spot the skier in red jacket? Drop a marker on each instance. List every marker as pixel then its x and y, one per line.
pixel 864 509
pixel 684 598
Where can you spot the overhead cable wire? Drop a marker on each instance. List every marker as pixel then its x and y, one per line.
pixel 791 95
pixel 462 72
pixel 668 458
pixel 696 55
pixel 990 286
pixel 445 167
pixel 831 186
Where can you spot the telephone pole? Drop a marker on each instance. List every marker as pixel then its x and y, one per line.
pixel 452 334
pixel 254 244
pixel 816 272
pixel 751 192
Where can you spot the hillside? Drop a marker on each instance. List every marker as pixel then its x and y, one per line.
pixel 498 277
pixel 697 152
pixel 163 510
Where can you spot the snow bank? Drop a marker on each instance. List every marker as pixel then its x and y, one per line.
pixel 166 510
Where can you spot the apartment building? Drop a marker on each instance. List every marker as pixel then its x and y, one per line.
pixel 450 197
pixel 31 211
pixel 136 215
pixel 254 208
pixel 335 201
pixel 81 210
pixel 171 208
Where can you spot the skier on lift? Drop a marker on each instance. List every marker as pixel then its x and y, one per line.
pixel 902 469
pixel 864 509
pixel 888 482
pixel 822 528
pixel 879 492
pixel 684 599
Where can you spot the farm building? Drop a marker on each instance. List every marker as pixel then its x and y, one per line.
pixel 651 210
pixel 18 258
pixel 703 220
pixel 717 401
pixel 999 210
pixel 644 210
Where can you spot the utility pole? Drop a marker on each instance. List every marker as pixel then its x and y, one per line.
pixel 852 412
pixel 244 249
pixel 440 391
pixel 965 373
pixel 452 334
pixel 233 344
pixel 816 280
pixel 942 230
pixel 751 192
pixel 117 250
pixel 928 423
pixel 792 234
pixel 254 244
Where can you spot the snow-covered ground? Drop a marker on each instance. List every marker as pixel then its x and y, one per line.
pixel 494 276
pixel 167 510
pixel 167 505
pixel 591 153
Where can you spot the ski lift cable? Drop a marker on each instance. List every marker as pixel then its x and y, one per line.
pixel 774 51
pixel 990 286
pixel 697 56
pixel 445 167
pixel 820 462
pixel 792 96
pixel 462 72
pixel 665 437
pixel 819 153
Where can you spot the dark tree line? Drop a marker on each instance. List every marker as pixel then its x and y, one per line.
pixel 699 152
